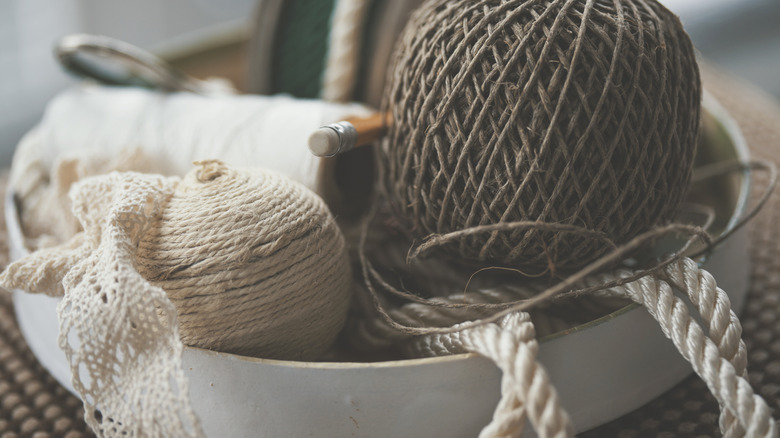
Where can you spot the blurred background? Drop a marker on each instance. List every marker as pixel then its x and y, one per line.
pixel 741 36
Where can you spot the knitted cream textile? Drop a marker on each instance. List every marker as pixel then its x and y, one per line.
pixel 122 343
pixel 120 331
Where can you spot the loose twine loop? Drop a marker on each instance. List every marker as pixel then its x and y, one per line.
pixel 506 334
pixel 568 286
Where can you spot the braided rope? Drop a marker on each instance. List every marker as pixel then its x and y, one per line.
pixel 724 327
pixel 341 63
pixel 711 358
pixel 718 356
pixel 525 385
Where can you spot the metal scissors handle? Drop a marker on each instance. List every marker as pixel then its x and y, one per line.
pixel 114 62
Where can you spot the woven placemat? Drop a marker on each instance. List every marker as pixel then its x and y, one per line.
pixel 33 404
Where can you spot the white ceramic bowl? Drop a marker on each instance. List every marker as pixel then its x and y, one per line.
pixel 602 369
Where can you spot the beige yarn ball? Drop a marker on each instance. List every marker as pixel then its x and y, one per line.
pixel 556 113
pixel 253 261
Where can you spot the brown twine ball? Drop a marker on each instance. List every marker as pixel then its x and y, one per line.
pixel 253 261
pixel 573 115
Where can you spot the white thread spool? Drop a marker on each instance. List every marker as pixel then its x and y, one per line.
pixel 179 128
pixel 91 130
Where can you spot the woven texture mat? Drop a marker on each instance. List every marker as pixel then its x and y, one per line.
pixel 33 404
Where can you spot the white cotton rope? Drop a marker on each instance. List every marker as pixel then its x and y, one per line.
pixel 344 44
pixel 525 386
pixel 89 130
pixel 717 354
pixel 724 327
pixel 717 357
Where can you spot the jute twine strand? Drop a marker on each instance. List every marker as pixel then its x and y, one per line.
pixel 450 304
pixel 580 113
pixel 375 283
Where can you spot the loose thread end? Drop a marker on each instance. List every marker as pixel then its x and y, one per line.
pixel 209 170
